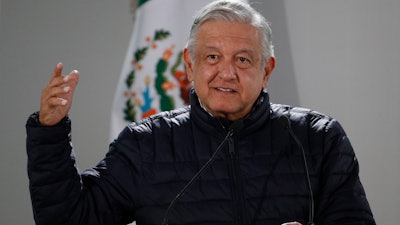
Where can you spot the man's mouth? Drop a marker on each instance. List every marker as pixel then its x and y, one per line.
pixel 225 89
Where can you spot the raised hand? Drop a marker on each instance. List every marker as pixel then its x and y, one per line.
pixel 56 99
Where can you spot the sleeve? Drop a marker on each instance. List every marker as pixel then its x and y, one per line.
pixel 342 199
pixel 59 193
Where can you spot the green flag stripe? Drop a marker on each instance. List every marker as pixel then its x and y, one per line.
pixel 141 2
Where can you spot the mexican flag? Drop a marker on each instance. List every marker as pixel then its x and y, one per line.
pixel 153 77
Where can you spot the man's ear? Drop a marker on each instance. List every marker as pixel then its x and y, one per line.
pixel 188 64
pixel 269 67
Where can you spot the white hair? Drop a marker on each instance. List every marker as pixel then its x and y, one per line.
pixel 233 11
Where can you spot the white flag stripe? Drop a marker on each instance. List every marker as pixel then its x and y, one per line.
pixel 147 92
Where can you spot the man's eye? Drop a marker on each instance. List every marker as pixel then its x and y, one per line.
pixel 243 62
pixel 212 57
pixel 243 59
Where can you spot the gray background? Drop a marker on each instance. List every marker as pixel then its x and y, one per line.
pixel 339 57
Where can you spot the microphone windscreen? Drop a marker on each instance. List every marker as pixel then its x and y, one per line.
pixel 236 126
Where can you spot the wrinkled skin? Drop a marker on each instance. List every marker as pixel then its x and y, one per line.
pixel 228 72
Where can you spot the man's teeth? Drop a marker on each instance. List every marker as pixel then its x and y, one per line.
pixel 225 89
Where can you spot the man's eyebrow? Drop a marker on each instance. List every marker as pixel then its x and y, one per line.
pixel 247 51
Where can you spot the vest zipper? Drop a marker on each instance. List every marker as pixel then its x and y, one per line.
pixel 237 191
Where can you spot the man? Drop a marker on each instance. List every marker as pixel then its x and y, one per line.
pixel 259 163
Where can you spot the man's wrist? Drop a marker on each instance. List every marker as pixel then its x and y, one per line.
pixel 33 121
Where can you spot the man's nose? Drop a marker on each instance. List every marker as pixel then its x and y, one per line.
pixel 227 71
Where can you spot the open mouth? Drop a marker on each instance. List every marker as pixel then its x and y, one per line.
pixel 225 89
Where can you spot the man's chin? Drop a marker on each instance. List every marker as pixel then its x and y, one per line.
pixel 228 114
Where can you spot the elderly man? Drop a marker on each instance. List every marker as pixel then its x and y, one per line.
pixel 233 157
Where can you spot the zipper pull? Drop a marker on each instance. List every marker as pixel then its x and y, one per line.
pixel 231 147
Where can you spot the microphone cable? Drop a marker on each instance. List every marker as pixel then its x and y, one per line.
pixel 287 124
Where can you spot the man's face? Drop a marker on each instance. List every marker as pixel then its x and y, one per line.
pixel 228 74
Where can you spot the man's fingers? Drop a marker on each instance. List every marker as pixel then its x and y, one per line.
pixel 60 95
pixel 57 70
pixel 67 80
pixel 72 79
pixel 58 91
pixel 55 101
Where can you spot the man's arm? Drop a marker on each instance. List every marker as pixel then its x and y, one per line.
pixel 52 174
pixel 59 194
pixel 342 199
pixel 54 182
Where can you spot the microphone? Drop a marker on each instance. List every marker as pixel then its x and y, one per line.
pixel 286 123
pixel 233 129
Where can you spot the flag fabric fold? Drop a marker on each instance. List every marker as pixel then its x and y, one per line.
pixel 153 77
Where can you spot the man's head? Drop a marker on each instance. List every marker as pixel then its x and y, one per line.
pixel 229 57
